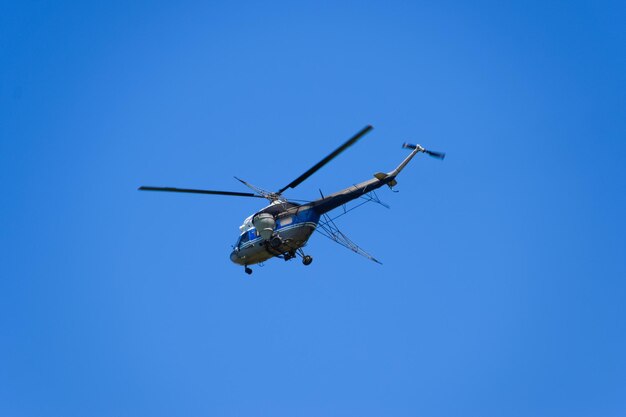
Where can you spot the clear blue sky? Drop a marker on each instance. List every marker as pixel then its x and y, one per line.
pixel 503 289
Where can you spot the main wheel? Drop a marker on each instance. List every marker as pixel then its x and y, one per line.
pixel 307 260
pixel 248 270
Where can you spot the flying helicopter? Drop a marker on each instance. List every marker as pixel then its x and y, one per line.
pixel 283 228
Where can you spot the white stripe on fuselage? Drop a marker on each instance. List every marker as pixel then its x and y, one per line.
pixel 291 226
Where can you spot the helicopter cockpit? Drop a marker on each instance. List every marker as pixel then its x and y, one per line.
pixel 246 237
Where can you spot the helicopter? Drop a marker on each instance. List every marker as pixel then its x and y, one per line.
pixel 283 228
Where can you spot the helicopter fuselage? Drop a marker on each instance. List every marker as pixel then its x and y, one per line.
pixel 293 229
pixel 294 224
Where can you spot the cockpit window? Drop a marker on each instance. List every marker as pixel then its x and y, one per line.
pixel 243 238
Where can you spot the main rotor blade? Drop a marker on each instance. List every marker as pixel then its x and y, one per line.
pixel 269 195
pixel 326 160
pixel 188 190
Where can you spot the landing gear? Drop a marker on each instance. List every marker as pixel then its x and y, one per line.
pixel 306 259
pixel 248 270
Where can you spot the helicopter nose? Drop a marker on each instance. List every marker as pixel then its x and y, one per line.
pixel 234 256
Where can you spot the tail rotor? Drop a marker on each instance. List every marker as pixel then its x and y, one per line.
pixel 438 155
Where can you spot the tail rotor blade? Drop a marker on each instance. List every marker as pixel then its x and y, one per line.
pixel 438 155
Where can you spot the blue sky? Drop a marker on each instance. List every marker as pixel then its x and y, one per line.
pixel 503 285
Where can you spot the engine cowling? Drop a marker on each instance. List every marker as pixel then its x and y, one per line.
pixel 264 223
